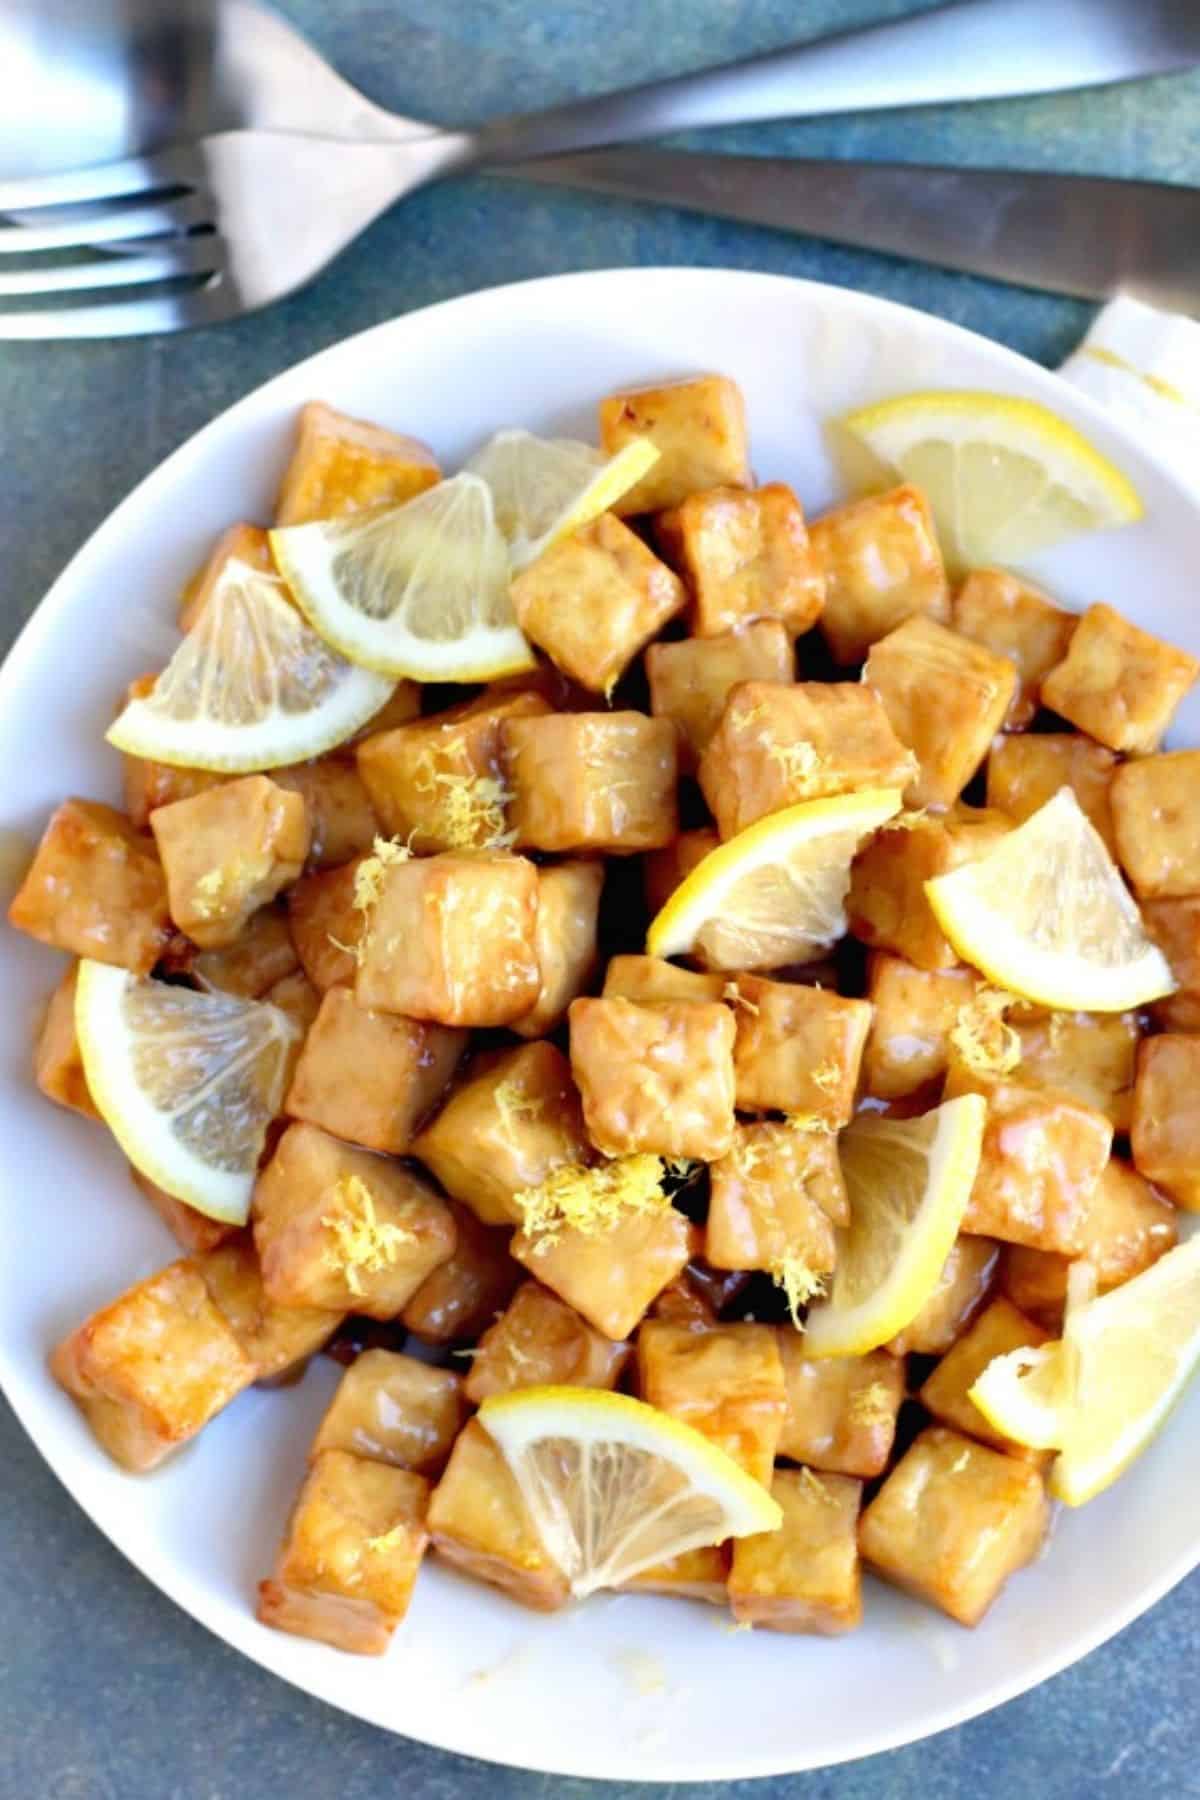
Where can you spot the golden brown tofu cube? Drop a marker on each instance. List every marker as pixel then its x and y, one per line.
pixel 146 784
pixel 238 543
pixel 1165 1130
pixel 887 906
pixel 777 745
pixel 402 704
pixel 510 1123
pixel 57 1062
pixel 342 465
pixel 227 852
pixel 278 1339
pixel 745 555
pixel 1128 1227
pixel 1016 620
pixel 464 1294
pixel 594 599
pixel 371 1077
pixel 946 698
pixel 775 1199
pixel 805 1576
pixel 649 980
pixel 946 1393
pixel 539 1341
pixel 1090 1055
pixel 694 1575
pixel 1175 927
pixel 394 1409
pixel 966 1280
pixel 327 926
pixel 726 1382
pixel 691 679
pixel 908 1045
pixel 841 1410
pixel 261 955
pixel 1156 820
pixel 438 783
pixel 192 1230
pixel 610 1277
pixel 882 565
pixel 655 1078
pixel 354 1543
pixel 1024 772
pixel 798 1049
pixel 296 996
pixel 452 938
pixel 337 1227
pixel 341 818
pixel 592 781
pixel 663 870
pixel 1118 683
pixel 150 1370
pixel 478 1521
pixel 95 888
pixel 953 1521
pixel 1043 1154
pixel 698 427
pixel 565 939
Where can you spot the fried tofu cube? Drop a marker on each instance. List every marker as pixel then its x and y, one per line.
pixel 1043 1154
pixel 393 1409
pixel 296 996
pixel 478 1521
pixel 278 1339
pixel 594 599
pixel 238 543
pixel 655 1078
pixel 401 705
pixel 95 888
pixel 327 926
pixel 1090 1055
pixel 841 1410
pixel 1128 1227
pixel 777 745
pixel 340 1228
pixel 354 1543
pixel 371 1077
pixel 451 938
pixel 341 819
pixel 967 1278
pixel 805 1577
pixel 745 555
pixel 57 1061
pixel 694 1575
pixel 698 427
pixel 953 1521
pixel 1118 683
pixel 775 1199
pixel 908 1045
pixel 1016 620
pixel 540 1341
pixel 261 955
pixel 1175 927
pixel 946 698
pixel 509 1124
pixel 592 781
pixel 438 783
pixel 726 1383
pixel 946 1394
pixel 691 679
pixel 150 1370
pixel 1156 820
pixel 146 784
pixel 613 1276
pixel 798 1049
pixel 663 870
pixel 191 1230
pixel 882 565
pixel 647 980
pixel 341 465
pixel 1024 772
pixel 887 906
pixel 227 852
pixel 464 1294
pixel 565 940
pixel 1165 1129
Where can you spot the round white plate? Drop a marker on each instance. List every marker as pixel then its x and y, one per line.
pixel 624 1687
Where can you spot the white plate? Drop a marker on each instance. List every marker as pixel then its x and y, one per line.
pixel 470 1671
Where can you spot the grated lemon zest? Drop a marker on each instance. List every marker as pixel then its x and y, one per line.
pixel 206 898
pixel 986 1042
pixel 741 720
pixel 733 993
pixel 816 1487
pixel 591 1200
pixel 357 951
pixel 808 1121
pixel 732 1626
pixel 368 877
pixel 799 763
pixel 956 1468
pixel 826 1076
pixel 471 806
pixel 363 1240
pixel 871 1405
pixel 799 1283
pixel 680 1166
pixel 388 1540
pixel 905 821
pixel 514 1103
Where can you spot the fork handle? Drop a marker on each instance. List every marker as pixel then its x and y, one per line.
pixel 970 50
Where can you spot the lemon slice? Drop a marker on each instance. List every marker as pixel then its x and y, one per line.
pixel 419 590
pixel 775 893
pixel 187 1083
pixel 251 686
pixel 1005 477
pixel 1046 915
pixel 542 488
pixel 908 1182
pixel 615 1486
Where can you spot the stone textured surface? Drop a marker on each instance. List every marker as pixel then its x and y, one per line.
pixel 106 1691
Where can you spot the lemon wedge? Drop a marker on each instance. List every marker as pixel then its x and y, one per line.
pixel 187 1082
pixel 1046 915
pixel 615 1486
pixel 775 893
pixel 251 686
pixel 419 590
pixel 543 488
pixel 1004 476
pixel 908 1182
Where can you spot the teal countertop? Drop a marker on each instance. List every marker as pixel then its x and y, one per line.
pixel 107 1692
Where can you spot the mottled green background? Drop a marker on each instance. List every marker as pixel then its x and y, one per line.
pixel 106 1691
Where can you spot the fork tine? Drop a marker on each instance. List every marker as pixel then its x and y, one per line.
pixel 190 256
pixel 127 318
pixel 131 176
pixel 106 225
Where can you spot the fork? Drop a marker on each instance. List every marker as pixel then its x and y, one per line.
pixel 241 218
